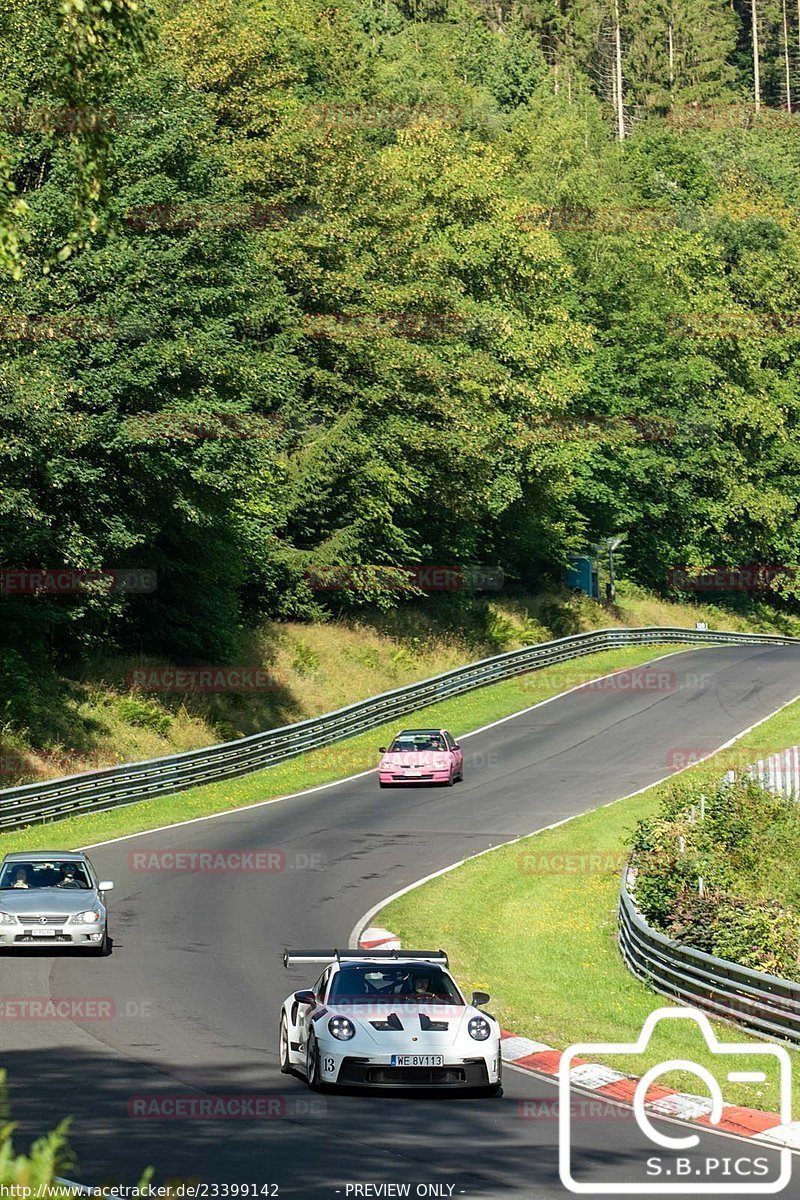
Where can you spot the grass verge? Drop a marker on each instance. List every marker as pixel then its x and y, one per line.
pixel 460 714
pixel 534 923
pixel 55 725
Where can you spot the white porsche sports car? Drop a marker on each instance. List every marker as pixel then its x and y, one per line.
pixel 391 1018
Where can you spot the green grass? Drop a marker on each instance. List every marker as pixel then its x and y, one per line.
pixel 57 725
pixel 461 715
pixel 542 939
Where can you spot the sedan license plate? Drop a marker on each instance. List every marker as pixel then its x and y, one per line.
pixel 44 932
pixel 417 1060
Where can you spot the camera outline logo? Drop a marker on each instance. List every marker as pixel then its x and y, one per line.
pixel 677 1144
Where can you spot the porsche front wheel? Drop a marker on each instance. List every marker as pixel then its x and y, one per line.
pixel 313 1075
pixel 283 1048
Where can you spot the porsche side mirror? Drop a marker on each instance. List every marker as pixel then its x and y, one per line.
pixel 479 998
pixel 305 997
pixel 381 749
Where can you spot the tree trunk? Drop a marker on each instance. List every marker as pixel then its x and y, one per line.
pixel 786 57
pixel 756 60
pixel 618 73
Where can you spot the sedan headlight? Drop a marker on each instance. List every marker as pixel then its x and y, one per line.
pixel 86 918
pixel 341 1028
pixel 479 1029
pixel 8 919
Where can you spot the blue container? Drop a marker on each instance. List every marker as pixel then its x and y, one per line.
pixel 582 575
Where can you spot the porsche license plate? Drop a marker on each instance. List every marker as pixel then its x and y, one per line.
pixel 417 1060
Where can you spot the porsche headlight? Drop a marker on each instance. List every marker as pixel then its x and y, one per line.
pixel 341 1028
pixel 479 1029
pixel 8 919
pixel 86 918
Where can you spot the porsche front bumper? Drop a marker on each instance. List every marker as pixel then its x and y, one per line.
pixel 363 1072
pixel 361 1066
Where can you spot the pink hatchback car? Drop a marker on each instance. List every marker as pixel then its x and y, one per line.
pixel 421 756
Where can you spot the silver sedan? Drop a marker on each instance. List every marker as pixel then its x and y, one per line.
pixel 53 897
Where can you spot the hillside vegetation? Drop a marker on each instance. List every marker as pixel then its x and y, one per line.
pixel 293 294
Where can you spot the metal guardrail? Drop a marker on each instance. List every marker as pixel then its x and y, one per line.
pixel 765 1005
pixel 95 791
pixel 778 772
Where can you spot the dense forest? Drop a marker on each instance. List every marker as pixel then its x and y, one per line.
pixel 296 286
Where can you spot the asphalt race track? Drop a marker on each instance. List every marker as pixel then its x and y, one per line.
pixel 195 980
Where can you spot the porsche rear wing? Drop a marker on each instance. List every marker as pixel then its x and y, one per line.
pixel 294 957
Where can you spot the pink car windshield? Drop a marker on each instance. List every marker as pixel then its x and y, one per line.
pixel 413 745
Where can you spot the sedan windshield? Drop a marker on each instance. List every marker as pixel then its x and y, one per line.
pixel 410 744
pixel 371 984
pixel 37 875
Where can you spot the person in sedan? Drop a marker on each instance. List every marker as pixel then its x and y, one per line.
pixel 69 878
pixel 20 878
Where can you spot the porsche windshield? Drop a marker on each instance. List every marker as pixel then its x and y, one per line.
pixel 36 875
pixel 370 984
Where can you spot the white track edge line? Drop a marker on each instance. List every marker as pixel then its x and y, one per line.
pixel 364 921
pixel 321 787
pixel 726 1133
pixel 376 908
